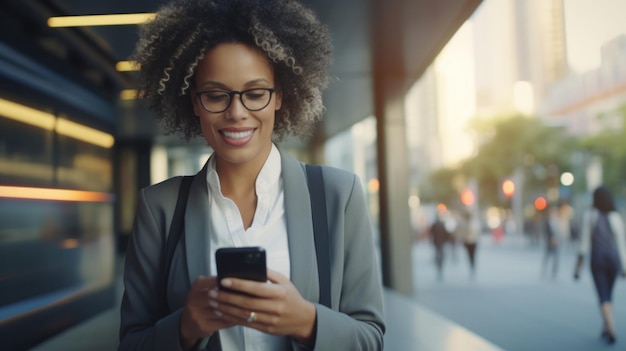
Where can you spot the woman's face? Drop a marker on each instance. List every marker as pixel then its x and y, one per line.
pixel 237 135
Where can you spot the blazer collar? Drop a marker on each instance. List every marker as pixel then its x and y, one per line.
pixel 197 228
pixel 299 227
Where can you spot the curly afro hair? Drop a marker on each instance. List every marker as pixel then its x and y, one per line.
pixel 295 42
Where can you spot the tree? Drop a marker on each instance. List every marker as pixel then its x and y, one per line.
pixel 541 151
pixel 442 187
pixel 610 145
pixel 506 144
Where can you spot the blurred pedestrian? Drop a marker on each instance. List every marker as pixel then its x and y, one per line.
pixel 602 234
pixel 468 232
pixel 535 229
pixel 451 222
pixel 439 236
pixel 553 234
pixel 565 220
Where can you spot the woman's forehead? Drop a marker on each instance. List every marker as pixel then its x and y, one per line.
pixel 234 62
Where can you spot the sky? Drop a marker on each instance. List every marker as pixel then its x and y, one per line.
pixel 588 25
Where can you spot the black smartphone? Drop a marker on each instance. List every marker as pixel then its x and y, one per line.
pixel 241 262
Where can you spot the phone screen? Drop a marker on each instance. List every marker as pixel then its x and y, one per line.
pixel 241 262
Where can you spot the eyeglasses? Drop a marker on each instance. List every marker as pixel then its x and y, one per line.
pixel 218 100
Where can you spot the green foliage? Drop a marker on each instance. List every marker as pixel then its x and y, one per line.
pixel 440 187
pixel 542 152
pixel 610 145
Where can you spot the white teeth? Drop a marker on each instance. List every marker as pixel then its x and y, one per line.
pixel 237 135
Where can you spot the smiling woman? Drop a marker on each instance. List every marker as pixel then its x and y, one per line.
pixel 243 75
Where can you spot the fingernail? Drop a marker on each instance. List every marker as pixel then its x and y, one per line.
pixel 213 293
pixel 218 313
pixel 213 304
pixel 226 282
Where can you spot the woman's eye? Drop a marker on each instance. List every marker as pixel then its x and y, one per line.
pixel 216 96
pixel 252 95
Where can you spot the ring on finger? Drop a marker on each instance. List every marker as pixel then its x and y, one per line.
pixel 251 317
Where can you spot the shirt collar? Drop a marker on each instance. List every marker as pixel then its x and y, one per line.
pixel 268 176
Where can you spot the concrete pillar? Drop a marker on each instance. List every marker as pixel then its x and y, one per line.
pixel 390 81
pixel 396 236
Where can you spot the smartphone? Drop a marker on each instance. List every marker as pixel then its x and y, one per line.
pixel 241 262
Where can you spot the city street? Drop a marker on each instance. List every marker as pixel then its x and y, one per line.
pixel 511 303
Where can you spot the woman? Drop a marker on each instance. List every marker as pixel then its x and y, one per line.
pixel 603 235
pixel 243 75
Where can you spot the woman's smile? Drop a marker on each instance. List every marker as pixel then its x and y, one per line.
pixel 237 137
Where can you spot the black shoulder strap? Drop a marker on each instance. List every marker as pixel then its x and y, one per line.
pixel 176 230
pixel 315 182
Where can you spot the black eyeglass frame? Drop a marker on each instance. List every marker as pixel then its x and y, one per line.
pixel 231 94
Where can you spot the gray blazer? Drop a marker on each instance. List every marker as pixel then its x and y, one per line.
pixel 355 321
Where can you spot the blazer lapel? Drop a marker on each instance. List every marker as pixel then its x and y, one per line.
pixel 299 228
pixel 197 228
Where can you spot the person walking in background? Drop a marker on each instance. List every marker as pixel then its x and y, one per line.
pixel 553 233
pixel 535 228
pixel 565 215
pixel 468 232
pixel 439 236
pixel 602 234
pixel 243 75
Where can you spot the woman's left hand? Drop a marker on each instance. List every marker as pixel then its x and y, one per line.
pixel 278 308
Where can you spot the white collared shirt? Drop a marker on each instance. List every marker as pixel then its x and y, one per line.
pixel 268 230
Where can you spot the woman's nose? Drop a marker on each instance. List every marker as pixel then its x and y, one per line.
pixel 236 110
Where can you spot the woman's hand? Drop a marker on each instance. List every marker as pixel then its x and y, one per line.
pixel 278 308
pixel 199 319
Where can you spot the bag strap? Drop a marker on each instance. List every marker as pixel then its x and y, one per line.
pixel 315 182
pixel 176 230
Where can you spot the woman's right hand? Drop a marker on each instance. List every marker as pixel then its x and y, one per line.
pixel 199 319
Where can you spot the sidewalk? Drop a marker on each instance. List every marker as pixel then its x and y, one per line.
pixel 410 326
pixel 513 302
